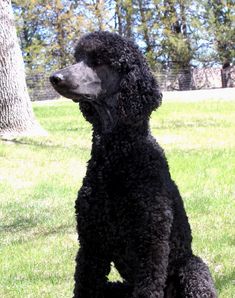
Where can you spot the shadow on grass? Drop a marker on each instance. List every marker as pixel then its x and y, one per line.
pixel 77 129
pixel 187 124
pixel 20 224
pixel 32 231
pixel 30 142
pixel 43 144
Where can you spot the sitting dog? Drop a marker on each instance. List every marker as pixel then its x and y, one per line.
pixel 129 210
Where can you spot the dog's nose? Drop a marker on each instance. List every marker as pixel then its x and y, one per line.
pixel 56 79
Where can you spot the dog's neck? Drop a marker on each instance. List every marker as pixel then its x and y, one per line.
pixel 123 137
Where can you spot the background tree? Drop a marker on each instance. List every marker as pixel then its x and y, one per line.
pixel 124 17
pixel 48 41
pixel 175 35
pixel 16 114
pixel 30 30
pixel 148 28
pixel 219 21
pixel 176 41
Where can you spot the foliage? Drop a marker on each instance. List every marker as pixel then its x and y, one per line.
pixel 40 178
pixel 220 23
pixel 30 31
pixel 173 34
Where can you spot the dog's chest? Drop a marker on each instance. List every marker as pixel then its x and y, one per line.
pixel 106 199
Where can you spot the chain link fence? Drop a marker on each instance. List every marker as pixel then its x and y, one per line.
pixel 198 78
pixel 40 88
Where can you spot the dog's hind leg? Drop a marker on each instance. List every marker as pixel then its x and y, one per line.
pixel 195 280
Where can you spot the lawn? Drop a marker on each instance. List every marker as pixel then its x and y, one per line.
pixel 39 180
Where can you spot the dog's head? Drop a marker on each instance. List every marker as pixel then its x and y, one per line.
pixel 111 81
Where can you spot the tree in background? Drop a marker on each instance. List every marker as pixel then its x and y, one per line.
pixel 99 14
pixel 46 32
pixel 49 31
pixel 63 26
pixel 124 18
pixel 175 35
pixel 148 29
pixel 219 20
pixel 31 32
pixel 176 41
pixel 16 114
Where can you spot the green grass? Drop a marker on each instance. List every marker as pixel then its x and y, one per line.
pixel 39 179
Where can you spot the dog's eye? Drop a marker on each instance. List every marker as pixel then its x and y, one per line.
pixel 93 60
pixel 93 63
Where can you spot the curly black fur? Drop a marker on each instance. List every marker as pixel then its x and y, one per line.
pixel 129 210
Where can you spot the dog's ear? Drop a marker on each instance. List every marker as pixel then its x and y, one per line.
pixel 140 93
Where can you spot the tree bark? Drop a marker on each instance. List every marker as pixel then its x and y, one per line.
pixel 16 113
pixel 118 18
pixel 185 79
pixel 145 27
pixel 225 74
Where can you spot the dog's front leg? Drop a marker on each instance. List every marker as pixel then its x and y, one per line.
pixel 90 274
pixel 150 282
pixel 153 251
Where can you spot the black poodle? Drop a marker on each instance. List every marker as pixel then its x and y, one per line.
pixel 129 210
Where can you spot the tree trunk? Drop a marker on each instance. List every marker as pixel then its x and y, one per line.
pixel 225 74
pixel 118 18
pixel 16 114
pixel 145 26
pixel 178 41
pixel 185 79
